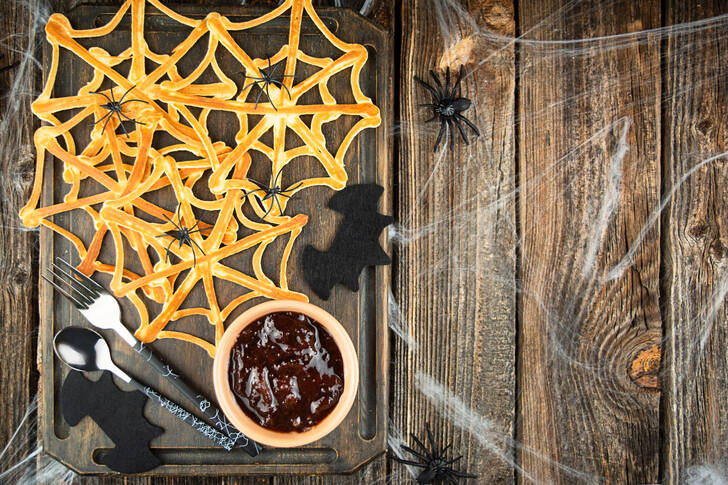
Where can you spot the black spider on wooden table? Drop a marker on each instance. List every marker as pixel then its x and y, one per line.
pixel 273 192
pixel 447 104
pixel 115 107
pixel 436 468
pixel 183 235
pixel 265 80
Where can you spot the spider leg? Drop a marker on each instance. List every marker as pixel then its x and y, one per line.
pixel 130 119
pixel 429 105
pixel 268 94
pixel 196 224
pixel 104 95
pixel 179 216
pixel 103 129
pixel 431 119
pixel 173 223
pixel 439 135
pixel 251 192
pixel 435 94
pixel 108 113
pixel 438 83
pixel 268 211
pixel 278 203
pixel 166 259
pixel 468 122
pixel 456 87
pixel 444 450
pixel 451 132
pixel 447 81
pixel 408 462
pixel 134 101
pixel 249 85
pixel 416 453
pixel 284 87
pixel 121 123
pixel 454 460
pixel 127 92
pixel 113 99
pixel 429 437
pixel 277 178
pixel 257 100
pixel 198 247
pixel 460 129
pixel 260 186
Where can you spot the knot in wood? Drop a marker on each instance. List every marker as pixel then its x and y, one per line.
pixel 645 367
pixel 717 249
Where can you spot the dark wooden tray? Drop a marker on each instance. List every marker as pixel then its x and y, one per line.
pixel 362 435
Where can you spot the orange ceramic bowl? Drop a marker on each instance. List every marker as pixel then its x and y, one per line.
pixel 232 409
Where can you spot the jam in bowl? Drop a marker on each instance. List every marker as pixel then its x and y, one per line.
pixel 285 373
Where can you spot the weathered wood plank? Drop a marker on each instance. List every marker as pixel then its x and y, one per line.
pixel 695 270
pixel 18 248
pixel 582 415
pixel 455 275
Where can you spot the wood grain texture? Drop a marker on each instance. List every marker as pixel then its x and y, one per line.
pixel 455 283
pixel 582 415
pixel 18 248
pixel 695 246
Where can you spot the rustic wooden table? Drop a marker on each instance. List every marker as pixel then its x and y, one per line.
pixel 549 378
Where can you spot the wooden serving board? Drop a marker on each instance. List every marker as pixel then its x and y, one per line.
pixel 362 435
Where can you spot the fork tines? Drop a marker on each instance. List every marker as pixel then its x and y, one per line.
pixel 78 288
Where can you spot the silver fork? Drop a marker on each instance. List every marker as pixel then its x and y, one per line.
pixel 102 310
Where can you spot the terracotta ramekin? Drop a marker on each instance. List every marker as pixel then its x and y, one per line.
pixel 226 398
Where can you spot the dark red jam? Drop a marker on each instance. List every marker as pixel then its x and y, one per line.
pixel 286 372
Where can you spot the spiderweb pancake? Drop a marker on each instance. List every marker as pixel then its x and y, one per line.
pixel 113 172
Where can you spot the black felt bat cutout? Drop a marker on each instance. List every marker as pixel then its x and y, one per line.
pixel 119 414
pixel 356 243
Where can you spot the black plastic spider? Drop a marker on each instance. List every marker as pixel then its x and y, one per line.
pixel 272 192
pixel 436 467
pixel 115 107
pixel 447 106
pixel 265 80
pixel 183 235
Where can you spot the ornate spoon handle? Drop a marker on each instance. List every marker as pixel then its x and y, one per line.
pixel 206 407
pixel 200 426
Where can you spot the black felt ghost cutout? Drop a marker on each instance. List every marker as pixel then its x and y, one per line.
pixel 119 414
pixel 355 245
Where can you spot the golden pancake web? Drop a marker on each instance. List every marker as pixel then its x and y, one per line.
pixel 115 172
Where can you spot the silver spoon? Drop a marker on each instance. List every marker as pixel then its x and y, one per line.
pixel 85 350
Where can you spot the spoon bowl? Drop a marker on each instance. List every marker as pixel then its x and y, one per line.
pixel 82 349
